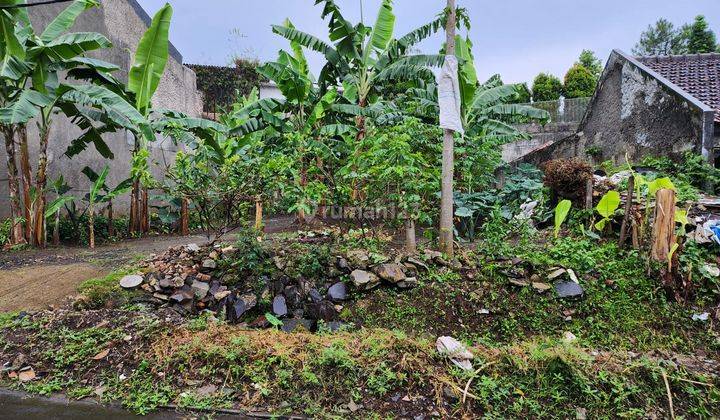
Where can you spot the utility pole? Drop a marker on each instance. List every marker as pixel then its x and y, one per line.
pixel 448 157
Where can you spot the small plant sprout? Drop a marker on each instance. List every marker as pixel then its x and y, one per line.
pixel 607 207
pixel 561 213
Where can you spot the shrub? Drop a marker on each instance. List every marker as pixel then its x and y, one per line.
pixel 5 227
pixel 579 82
pixel 546 87
pixel 567 177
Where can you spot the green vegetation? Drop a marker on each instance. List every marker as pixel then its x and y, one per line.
pixel 546 87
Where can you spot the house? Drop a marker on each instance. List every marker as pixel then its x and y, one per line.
pixel 123 22
pixel 646 106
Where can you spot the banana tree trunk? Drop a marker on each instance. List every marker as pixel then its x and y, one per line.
pixel 17 235
pixel 303 184
pixel 410 241
pixel 40 184
pixel 111 220
pixel 134 216
pixel 56 229
pixel 91 224
pixel 448 155
pixel 145 212
pixel 25 172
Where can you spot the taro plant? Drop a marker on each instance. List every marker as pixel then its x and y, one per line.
pixel 561 213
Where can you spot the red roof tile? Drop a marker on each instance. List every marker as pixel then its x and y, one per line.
pixel 696 74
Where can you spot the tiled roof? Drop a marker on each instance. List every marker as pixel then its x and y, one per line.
pixel 696 74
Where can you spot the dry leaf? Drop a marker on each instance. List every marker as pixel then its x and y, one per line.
pixel 103 354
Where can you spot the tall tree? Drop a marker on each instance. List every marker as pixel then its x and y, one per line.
pixel 546 87
pixel 579 82
pixel 702 39
pixel 448 155
pixel 591 62
pixel 662 38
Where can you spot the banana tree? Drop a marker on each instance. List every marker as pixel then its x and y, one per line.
pixel 101 193
pixel 60 188
pixel 363 58
pixel 143 80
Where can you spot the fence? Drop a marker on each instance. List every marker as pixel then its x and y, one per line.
pixel 564 110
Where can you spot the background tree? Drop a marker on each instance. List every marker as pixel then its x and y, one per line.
pixel 589 60
pixel 546 87
pixel 579 82
pixel 524 95
pixel 662 38
pixel 702 39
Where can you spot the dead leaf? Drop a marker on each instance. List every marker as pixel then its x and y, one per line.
pixel 103 354
pixel 26 375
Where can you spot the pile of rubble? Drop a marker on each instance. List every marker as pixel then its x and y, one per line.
pixel 192 279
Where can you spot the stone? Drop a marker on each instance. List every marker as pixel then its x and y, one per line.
pixel 324 310
pixel 161 296
pixel 364 280
pixel 569 337
pixel 131 281
pixel 569 289
pixel 293 297
pixel 456 351
pixel 358 258
pixel 337 292
pixel 294 324
pixel 192 248
pixel 432 255
pixel 417 263
pixel 166 283
pixel 541 287
pixel 181 296
pixel 209 264
pixel 200 289
pixel 390 272
pixel 203 277
pixel 279 263
pixel 408 283
pixel 315 296
pixel 342 264
pixel 518 282
pixel 206 390
pixel 556 273
pixel 279 306
pixel 222 295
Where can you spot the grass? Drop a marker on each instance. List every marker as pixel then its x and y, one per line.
pixel 100 291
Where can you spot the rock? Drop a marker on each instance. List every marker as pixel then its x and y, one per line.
pixel 518 282
pixel 250 300
pixel 541 287
pixel 203 277
pixel 701 317
pixel 568 289
pixel 206 390
pixel 131 281
pixel 432 255
pixel 390 272
pixel 417 263
pixel 293 297
pixel 161 296
pixel 456 351
pixel 364 280
pixel 166 283
pixel 292 325
pixel 337 292
pixel 181 296
pixel 279 306
pixel 572 276
pixel 556 273
pixel 26 375
pixel 710 270
pixel 358 258
pixel 342 264
pixel 200 289
pixel 315 296
pixel 279 263
pixel 408 283
pixel 335 326
pixel 569 337
pixel 192 248
pixel 324 310
pixel 209 264
pixel 222 295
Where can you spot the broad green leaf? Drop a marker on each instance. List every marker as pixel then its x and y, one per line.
pixel 601 224
pixel 56 205
pixel 463 212
pixel 382 31
pixel 660 184
pixel 561 213
pixel 72 45
pixel 151 58
pixel 681 216
pixel 11 44
pixel 25 108
pixel 66 19
pixel 608 204
pixel 99 183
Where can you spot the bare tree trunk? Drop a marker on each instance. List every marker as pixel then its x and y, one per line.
pixel 410 241
pixel 589 194
pixel 17 235
pixel 134 211
pixel 40 184
pixel 111 220
pixel 25 171
pixel 663 225
pixel 258 213
pixel 448 157
pixel 91 224
pixel 628 210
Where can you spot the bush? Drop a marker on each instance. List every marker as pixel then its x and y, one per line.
pixel 579 82
pixel 567 177
pixel 546 87
pixel 5 228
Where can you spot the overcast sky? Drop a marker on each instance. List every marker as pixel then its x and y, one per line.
pixel 516 38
